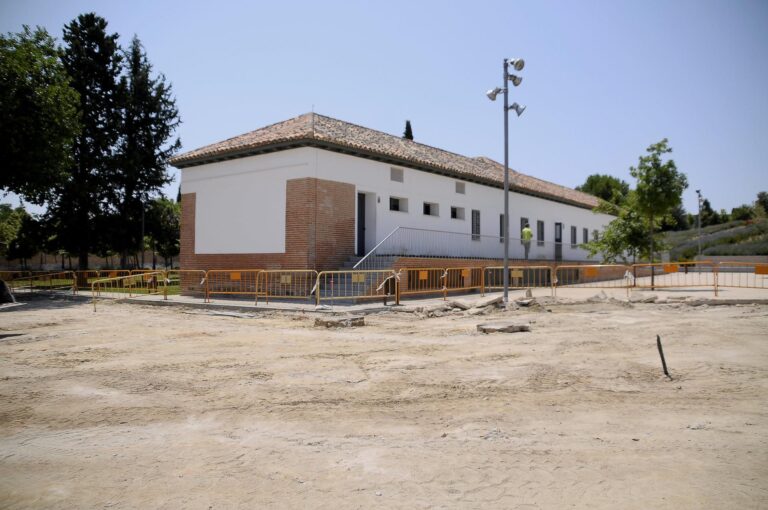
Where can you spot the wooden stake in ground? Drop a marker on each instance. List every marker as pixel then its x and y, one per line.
pixel 661 353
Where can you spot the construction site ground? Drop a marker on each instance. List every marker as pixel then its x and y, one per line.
pixel 231 405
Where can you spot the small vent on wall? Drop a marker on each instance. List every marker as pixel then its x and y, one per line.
pixel 396 174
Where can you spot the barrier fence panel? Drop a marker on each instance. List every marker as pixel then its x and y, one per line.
pixel 520 277
pixel 422 281
pixel 337 285
pixel 674 274
pixel 185 281
pixel 12 275
pixel 231 282
pixel 285 284
pixel 605 276
pixel 84 279
pixel 748 275
pixel 63 280
pixel 463 279
pixel 123 287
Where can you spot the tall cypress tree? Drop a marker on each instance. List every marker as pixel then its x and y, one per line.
pixel 92 60
pixel 148 118
pixel 408 133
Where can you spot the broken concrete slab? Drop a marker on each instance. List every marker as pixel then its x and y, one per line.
pixel 340 322
pixel 489 302
pixel 459 304
pixel 503 327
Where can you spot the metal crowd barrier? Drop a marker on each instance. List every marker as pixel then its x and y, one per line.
pixel 186 281
pixel 520 277
pixel 595 276
pixel 231 282
pixel 129 286
pixel 675 274
pixel 744 275
pixel 464 279
pixel 428 280
pixel 62 280
pixel 339 285
pixel 285 284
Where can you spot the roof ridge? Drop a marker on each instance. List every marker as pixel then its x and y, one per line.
pixel 406 140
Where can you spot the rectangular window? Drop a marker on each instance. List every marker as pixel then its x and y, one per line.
pixel 431 209
pixel 457 213
pixel 398 204
pixel 523 223
pixel 396 174
pixel 595 235
pixel 475 225
pixel 460 188
pixel 540 233
pixel 573 237
pixel 501 228
pixel 585 236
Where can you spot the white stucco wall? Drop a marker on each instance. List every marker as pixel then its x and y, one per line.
pixel 241 204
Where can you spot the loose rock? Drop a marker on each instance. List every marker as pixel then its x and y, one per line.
pixel 340 322
pixel 503 327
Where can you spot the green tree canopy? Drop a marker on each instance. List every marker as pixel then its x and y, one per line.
pixel 625 236
pixel 164 226
pixel 609 188
pixel 38 115
pixel 659 187
pixel 10 225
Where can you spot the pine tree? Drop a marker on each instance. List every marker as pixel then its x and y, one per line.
pixel 92 60
pixel 149 118
pixel 408 133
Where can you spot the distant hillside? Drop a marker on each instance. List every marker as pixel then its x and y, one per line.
pixel 732 238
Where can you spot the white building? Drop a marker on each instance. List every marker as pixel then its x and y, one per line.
pixel 313 191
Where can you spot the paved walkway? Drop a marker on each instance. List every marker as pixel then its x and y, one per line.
pixel 564 294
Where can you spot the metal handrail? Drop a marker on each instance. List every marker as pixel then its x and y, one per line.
pixel 375 248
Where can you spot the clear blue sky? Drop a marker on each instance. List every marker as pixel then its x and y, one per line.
pixel 603 79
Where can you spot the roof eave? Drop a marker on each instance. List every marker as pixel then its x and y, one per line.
pixel 183 162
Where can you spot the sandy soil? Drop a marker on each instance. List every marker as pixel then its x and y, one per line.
pixel 147 407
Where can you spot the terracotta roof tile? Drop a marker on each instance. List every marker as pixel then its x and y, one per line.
pixel 315 129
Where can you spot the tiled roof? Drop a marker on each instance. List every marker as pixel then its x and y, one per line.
pixel 318 130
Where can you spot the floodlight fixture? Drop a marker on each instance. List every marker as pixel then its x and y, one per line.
pixel 518 109
pixel 516 80
pixel 516 63
pixel 493 93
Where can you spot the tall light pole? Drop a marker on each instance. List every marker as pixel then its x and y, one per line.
pixel 517 64
pixel 698 218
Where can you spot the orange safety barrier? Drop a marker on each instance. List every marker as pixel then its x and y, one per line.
pixel 422 281
pixel 595 276
pixel 84 278
pixel 745 275
pixel 336 285
pixel 231 282
pixel 185 281
pixel 463 279
pixel 285 284
pixel 677 274
pixel 129 286
pixel 520 277
pixel 62 280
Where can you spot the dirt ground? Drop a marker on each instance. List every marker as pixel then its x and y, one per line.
pixel 137 406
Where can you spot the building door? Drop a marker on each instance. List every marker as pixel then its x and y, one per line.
pixel 360 224
pixel 558 242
